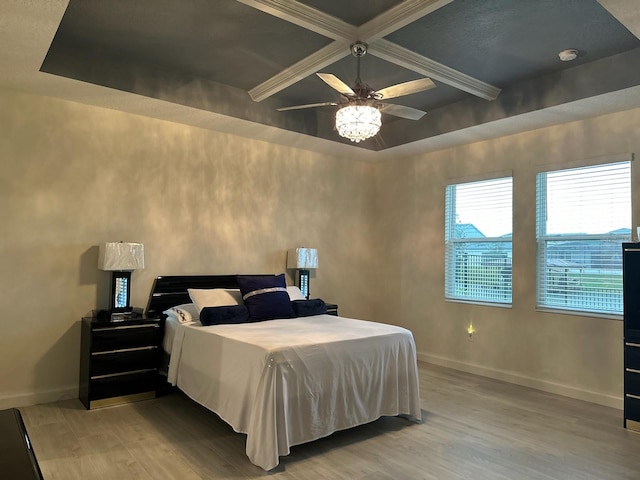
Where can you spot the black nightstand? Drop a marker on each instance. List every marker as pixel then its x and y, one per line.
pixel 332 309
pixel 119 361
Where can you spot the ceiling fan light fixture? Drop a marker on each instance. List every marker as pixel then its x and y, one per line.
pixel 358 122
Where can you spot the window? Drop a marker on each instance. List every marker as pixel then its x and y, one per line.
pixel 582 217
pixel 478 241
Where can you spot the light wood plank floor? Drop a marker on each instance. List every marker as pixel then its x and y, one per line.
pixel 473 428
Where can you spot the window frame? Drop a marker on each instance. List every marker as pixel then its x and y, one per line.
pixel 543 238
pixel 451 241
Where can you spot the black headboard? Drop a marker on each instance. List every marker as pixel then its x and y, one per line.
pixel 170 291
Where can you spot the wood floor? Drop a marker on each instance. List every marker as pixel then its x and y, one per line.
pixel 473 428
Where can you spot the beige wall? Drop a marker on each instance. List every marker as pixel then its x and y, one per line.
pixel 201 202
pixel 204 202
pixel 574 355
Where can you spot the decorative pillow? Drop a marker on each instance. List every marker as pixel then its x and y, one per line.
pixel 295 293
pixel 224 315
pixel 306 308
pixel 214 297
pixel 265 296
pixel 184 313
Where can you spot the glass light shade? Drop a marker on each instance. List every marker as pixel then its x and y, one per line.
pixel 358 122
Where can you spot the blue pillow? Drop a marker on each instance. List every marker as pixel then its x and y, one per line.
pixel 265 296
pixel 225 314
pixel 306 308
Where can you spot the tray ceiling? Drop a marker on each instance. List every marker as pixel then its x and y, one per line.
pixel 491 60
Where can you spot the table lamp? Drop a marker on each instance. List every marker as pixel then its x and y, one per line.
pixel 302 259
pixel 121 258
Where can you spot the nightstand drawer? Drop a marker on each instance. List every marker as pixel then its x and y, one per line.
pixel 332 309
pixel 124 384
pixel 110 338
pixel 141 358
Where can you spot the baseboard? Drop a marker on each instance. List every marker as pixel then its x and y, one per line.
pixel 519 379
pixel 34 398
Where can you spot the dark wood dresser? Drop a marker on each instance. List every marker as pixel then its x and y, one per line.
pixel 631 288
pixel 17 459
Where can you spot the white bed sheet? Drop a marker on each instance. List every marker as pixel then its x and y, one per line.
pixel 289 381
pixel 170 327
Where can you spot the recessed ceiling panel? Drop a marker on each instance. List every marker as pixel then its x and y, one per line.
pixel 224 41
pixel 354 13
pixel 208 55
pixel 503 41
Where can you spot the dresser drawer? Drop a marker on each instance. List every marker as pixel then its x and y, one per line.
pixel 632 408
pixel 125 384
pixel 117 338
pixel 632 381
pixel 140 358
pixel 632 355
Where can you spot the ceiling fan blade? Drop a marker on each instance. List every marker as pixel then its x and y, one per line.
pixel 337 84
pixel 309 105
pixel 406 88
pixel 402 111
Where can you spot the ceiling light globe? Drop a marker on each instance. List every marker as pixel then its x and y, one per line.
pixel 568 55
pixel 358 122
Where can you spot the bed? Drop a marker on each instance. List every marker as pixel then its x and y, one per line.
pixel 287 381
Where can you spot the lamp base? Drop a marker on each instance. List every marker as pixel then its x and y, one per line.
pixel 303 282
pixel 120 296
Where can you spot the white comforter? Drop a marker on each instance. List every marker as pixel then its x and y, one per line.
pixel 290 381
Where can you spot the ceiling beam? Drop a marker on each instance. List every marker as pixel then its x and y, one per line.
pixel 315 21
pixel 306 17
pixel 305 67
pixel 397 17
pixel 430 68
pixel 371 32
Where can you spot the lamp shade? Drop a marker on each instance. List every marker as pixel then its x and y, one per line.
pixel 302 258
pixel 121 256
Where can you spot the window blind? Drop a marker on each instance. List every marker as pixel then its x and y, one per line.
pixel 582 217
pixel 478 226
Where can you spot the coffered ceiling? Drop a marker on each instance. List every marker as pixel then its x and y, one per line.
pixel 229 65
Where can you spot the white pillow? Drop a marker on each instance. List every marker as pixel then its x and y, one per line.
pixel 295 293
pixel 171 317
pixel 216 297
pixel 184 313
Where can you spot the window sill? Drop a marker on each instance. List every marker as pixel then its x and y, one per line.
pixel 578 313
pixel 477 302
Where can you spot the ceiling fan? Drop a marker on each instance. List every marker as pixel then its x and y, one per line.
pixel 363 95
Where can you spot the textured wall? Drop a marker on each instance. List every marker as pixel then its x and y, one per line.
pixel 204 202
pixel 574 355
pixel 201 202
